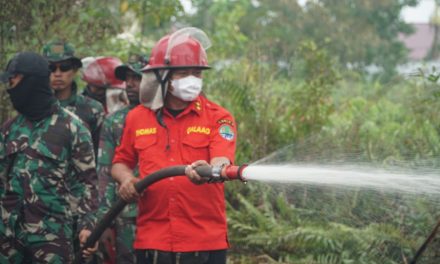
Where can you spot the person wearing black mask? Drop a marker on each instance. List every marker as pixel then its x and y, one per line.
pixel 47 170
pixel 34 103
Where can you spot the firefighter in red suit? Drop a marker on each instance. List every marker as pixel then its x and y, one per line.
pixel 181 220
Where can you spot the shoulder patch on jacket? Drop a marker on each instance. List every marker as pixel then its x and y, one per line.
pixel 226 132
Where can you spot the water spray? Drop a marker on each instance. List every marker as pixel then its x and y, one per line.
pixel 214 174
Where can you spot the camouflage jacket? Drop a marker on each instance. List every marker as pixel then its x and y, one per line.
pixel 110 137
pixel 47 168
pixel 90 111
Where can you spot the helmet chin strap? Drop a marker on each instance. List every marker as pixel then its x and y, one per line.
pixel 163 80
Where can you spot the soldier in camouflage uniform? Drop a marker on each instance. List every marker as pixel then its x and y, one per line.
pixel 125 224
pixel 47 170
pixel 64 66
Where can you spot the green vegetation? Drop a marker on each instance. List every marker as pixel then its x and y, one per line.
pixel 291 75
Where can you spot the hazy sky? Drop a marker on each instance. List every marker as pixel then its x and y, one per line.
pixel 420 14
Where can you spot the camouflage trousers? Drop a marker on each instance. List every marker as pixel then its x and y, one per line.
pixel 31 239
pixel 125 232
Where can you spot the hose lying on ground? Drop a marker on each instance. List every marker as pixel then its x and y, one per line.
pixel 425 244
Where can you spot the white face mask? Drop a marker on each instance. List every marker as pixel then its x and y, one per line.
pixel 187 88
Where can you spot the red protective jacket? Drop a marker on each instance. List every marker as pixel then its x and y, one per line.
pixel 175 214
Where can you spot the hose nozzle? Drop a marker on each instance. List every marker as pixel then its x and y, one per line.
pixel 222 173
pixel 232 172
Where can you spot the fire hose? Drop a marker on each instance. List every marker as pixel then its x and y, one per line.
pixel 215 174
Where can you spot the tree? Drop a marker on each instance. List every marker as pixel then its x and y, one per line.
pixel 90 26
pixel 358 33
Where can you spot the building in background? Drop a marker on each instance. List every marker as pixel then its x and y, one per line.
pixel 420 42
pixel 423 44
pixel 423 50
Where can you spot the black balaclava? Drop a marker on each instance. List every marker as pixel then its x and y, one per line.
pixel 32 97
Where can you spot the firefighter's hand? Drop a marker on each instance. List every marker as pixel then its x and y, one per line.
pixel 83 235
pixel 192 174
pixel 127 191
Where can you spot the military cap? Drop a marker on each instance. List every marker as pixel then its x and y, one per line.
pixel 56 51
pixel 27 63
pixel 135 64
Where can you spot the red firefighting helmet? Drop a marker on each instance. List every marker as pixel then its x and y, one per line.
pixel 101 73
pixel 185 48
